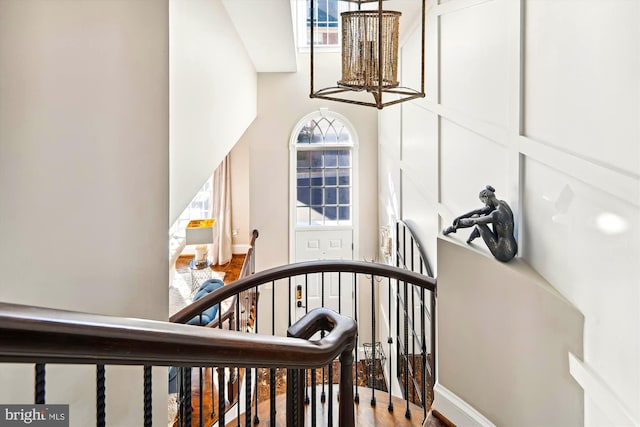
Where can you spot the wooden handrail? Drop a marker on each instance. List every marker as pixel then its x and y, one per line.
pixel 39 335
pixel 309 267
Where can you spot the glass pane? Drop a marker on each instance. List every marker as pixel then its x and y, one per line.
pixel 331 136
pixel 344 196
pixel 344 158
pixel 304 137
pixel 330 196
pixel 331 213
pixel 344 176
pixel 316 159
pixel 303 177
pixel 316 177
pixel 303 196
pixel 316 196
pixel 344 136
pixel 302 214
pixel 344 213
pixel 330 159
pixel 330 176
pixel 303 159
pixel 317 135
pixel 324 125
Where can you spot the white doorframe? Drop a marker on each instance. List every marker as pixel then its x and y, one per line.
pixel 293 146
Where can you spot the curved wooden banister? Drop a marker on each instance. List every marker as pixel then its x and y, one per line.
pixel 309 267
pixel 33 334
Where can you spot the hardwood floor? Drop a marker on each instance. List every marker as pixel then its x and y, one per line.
pixel 231 269
pixel 365 414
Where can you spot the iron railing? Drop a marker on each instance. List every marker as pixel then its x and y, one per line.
pixel 297 341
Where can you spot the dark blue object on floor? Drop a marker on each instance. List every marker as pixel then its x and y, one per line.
pixel 208 315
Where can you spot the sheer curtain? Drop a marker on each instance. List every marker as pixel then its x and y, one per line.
pixel 221 188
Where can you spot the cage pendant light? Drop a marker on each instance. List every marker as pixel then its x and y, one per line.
pixel 361 45
pixel 369 58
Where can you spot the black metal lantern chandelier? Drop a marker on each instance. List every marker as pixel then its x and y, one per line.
pixel 369 57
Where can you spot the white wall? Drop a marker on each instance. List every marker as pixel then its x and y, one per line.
pixel 240 196
pixel 213 94
pixel 84 153
pixel 503 338
pixel 540 99
pixel 282 101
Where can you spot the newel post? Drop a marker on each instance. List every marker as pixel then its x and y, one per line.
pixel 345 409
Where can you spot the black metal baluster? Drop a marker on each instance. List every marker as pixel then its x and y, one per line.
pixel 356 397
pixel 323 396
pixel 313 397
pixel 222 409
pixel 213 392
pixel 432 328
pixel 390 342
pixel 247 402
pixel 101 406
pixel 201 400
pixel 407 413
pixel 238 402
pixel 373 341
pixel 186 381
pixel 413 323
pixel 272 374
pixel 289 307
pixel 330 408
pixel 256 418
pixel 423 337
pixel 148 413
pixel 39 395
pixel 306 310
pixel 272 395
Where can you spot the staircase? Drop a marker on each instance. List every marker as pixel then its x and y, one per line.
pixel 228 351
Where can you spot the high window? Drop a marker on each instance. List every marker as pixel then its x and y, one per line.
pixel 326 23
pixel 323 172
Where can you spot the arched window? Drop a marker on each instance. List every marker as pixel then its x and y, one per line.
pixel 322 146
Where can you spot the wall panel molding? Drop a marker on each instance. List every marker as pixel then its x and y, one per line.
pixel 605 178
pixel 457 5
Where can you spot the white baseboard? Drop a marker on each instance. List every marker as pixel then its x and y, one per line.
pixel 457 410
pixel 239 249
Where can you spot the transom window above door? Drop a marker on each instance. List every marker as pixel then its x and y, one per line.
pixel 323 173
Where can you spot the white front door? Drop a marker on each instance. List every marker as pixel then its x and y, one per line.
pixel 329 289
pixel 323 195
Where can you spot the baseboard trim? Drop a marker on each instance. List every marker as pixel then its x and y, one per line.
pixel 456 410
pixel 240 249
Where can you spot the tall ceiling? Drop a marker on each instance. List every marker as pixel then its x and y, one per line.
pixel 267 29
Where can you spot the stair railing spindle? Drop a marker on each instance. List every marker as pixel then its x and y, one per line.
pixel 148 412
pixel 101 406
pixel 40 377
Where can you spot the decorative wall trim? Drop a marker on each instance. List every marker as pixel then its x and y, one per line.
pixel 607 178
pixel 600 393
pixel 457 410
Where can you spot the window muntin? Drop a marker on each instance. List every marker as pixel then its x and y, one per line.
pixel 327 24
pixel 324 167
pixel 326 19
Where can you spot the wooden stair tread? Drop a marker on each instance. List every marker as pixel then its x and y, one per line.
pixel 364 413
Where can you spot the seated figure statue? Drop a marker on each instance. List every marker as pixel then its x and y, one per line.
pixel 499 238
